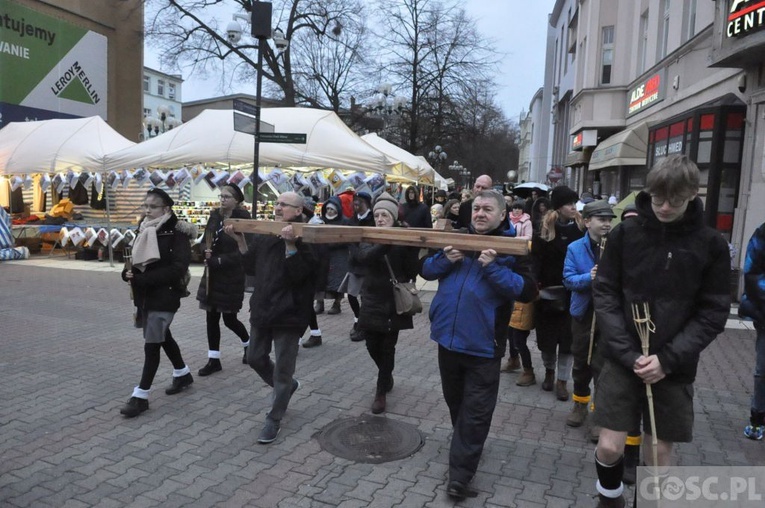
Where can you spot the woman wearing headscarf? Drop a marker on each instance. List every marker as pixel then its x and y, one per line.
pixel 378 318
pixel 225 273
pixel 333 260
pixel 560 226
pixel 161 256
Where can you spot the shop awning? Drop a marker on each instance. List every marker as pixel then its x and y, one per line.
pixel 625 148
pixel 576 158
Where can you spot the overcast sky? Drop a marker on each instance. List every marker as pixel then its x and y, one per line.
pixel 517 27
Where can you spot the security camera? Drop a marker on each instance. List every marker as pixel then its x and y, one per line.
pixel 234 32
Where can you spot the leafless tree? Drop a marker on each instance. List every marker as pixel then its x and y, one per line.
pixel 190 35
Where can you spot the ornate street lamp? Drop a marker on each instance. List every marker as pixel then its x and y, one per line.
pixel 438 156
pixel 163 122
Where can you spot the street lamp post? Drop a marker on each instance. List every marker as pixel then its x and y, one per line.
pixel 384 104
pixel 438 156
pixel 260 29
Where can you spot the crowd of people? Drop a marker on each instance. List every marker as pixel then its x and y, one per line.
pixel 586 289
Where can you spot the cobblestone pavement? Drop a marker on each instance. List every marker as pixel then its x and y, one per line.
pixel 70 359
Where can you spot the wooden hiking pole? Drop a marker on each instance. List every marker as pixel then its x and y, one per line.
pixel 208 246
pixel 641 315
pixel 128 254
pixel 592 327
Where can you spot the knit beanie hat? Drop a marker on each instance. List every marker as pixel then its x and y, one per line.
pixel 235 191
pixel 388 203
pixel 561 196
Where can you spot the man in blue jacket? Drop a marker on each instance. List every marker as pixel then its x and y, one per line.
pixel 469 317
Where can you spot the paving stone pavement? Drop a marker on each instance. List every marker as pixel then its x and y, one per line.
pixel 70 359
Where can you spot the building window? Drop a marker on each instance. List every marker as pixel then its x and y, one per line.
pixel 642 43
pixel 663 32
pixel 171 91
pixel 146 112
pixel 161 87
pixel 690 20
pixel 146 83
pixel 572 36
pixel 606 54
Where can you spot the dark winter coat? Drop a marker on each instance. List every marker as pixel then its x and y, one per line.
pixel 416 214
pixel 159 287
pixel 333 257
pixel 353 265
pixel 284 286
pixel 378 311
pixel 224 268
pixel 682 269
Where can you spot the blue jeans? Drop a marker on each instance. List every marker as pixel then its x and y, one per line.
pixel 758 398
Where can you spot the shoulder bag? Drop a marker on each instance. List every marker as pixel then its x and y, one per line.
pixel 404 295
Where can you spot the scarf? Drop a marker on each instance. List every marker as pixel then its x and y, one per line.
pixel 145 246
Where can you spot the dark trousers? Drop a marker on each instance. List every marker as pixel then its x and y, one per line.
pixel 231 322
pixel 517 344
pixel 382 349
pixel 278 374
pixel 470 385
pixel 582 373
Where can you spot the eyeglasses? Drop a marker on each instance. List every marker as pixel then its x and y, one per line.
pixel 225 196
pixel 283 204
pixel 151 207
pixel 675 202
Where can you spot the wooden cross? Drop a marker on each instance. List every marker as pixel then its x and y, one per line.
pixel 412 237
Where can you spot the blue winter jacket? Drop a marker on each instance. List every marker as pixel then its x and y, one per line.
pixel 472 307
pixel 753 300
pixel 576 275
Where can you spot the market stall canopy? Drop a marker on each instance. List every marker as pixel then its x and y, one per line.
pixel 439 182
pixel 625 148
pixel 408 167
pixel 210 138
pixel 51 146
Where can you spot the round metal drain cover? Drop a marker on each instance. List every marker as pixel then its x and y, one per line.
pixel 371 439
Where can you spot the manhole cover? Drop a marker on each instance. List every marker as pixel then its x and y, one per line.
pixel 371 439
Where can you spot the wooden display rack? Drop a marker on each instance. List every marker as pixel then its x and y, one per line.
pixel 423 238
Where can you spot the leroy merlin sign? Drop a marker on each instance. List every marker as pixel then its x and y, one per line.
pixel 49 68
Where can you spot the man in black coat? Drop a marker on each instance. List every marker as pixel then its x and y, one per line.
pixel 416 214
pixel 280 306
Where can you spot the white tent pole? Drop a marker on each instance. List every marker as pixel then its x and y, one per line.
pixel 109 226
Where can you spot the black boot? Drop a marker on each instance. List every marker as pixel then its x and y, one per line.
pixel 179 384
pixel 335 309
pixel 213 366
pixel 134 407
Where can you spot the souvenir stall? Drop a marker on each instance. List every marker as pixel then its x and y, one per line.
pixel 44 160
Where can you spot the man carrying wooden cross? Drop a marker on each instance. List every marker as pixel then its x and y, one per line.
pixel 280 306
pixel 469 317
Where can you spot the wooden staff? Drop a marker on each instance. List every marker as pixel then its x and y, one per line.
pixel 128 254
pixel 592 328
pixel 208 246
pixel 641 315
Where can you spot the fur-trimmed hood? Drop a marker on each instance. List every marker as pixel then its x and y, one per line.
pixel 187 228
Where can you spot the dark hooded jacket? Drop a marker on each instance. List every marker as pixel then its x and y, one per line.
pixel 224 268
pixel 681 269
pixel 333 257
pixel 159 287
pixel 416 214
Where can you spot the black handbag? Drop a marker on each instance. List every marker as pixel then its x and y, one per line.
pixel 554 298
pixel 404 295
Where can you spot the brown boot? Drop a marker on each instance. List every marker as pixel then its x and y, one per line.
pixel 512 365
pixel 547 384
pixel 577 415
pixel 610 502
pixel 378 406
pixel 527 378
pixel 561 391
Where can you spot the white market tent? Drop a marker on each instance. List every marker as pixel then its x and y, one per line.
pixel 52 146
pixel 439 181
pixel 408 166
pixel 210 138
